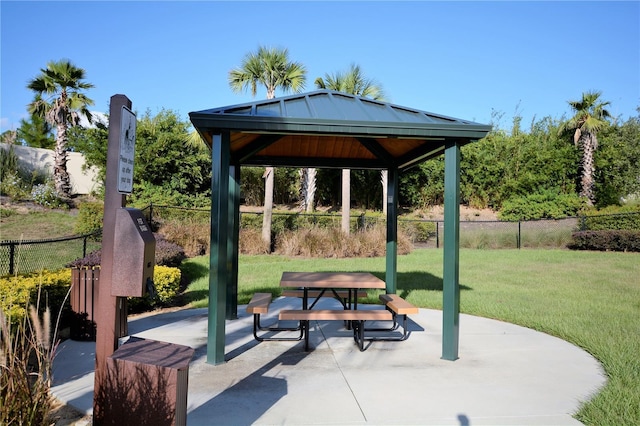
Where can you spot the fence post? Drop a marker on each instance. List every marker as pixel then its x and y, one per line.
pixel 437 234
pixel 12 256
pixel 519 234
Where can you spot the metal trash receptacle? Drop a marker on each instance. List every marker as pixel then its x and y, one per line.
pixel 147 380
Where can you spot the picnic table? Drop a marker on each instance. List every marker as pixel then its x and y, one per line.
pixel 352 282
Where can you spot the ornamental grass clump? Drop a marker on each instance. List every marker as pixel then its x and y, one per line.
pixel 27 350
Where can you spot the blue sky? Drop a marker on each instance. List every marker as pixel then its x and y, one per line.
pixel 461 59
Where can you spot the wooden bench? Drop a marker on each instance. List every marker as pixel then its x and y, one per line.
pixel 399 306
pixel 356 317
pixel 258 305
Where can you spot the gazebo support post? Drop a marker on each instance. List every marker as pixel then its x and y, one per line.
pixel 451 285
pixel 218 267
pixel 233 241
pixel 391 277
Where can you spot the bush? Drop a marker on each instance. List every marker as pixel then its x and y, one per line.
pixel 18 291
pixel 545 205
pixel 166 281
pixel 612 218
pixel 167 254
pixel 45 194
pixel 610 240
pixel 90 216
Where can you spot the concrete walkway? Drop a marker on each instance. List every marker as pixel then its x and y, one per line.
pixel 506 375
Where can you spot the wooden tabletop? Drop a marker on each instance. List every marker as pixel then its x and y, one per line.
pixel 331 280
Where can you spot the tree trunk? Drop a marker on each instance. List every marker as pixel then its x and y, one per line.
pixel 311 189
pixel 346 200
pixel 384 176
pixel 588 145
pixel 60 174
pixel 268 205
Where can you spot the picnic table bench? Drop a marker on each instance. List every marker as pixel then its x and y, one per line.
pixel 356 317
pixel 259 305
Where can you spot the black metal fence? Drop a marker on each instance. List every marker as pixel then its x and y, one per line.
pixel 33 255
pixel 27 256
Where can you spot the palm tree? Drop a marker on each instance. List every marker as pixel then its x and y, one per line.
pixel 590 117
pixel 353 82
pixel 271 68
pixel 61 83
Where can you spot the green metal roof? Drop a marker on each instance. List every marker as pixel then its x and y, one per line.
pixel 333 129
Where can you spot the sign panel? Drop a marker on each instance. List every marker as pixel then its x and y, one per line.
pixel 127 151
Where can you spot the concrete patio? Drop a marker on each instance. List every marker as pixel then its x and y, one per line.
pixel 506 375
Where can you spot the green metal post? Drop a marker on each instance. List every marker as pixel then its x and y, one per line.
pixel 218 265
pixel 451 285
pixel 234 229
pixel 392 232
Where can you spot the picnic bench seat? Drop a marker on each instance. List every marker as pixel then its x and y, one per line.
pixel 356 317
pixel 258 305
pixel 398 306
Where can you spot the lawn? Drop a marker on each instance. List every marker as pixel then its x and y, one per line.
pixel 591 299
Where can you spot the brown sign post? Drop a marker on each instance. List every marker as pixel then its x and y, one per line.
pixel 142 380
pixel 107 325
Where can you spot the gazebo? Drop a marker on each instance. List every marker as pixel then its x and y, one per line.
pixel 327 129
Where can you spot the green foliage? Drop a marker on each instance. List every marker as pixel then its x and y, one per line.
pixel 90 216
pixel 12 175
pixel 146 193
pixel 16 292
pixel 423 186
pixel 36 133
pixel 544 205
pixel 617 161
pixel 627 217
pixel 252 185
pixel 92 143
pixel 166 160
pixel 609 240
pixel 418 231
pixel 166 281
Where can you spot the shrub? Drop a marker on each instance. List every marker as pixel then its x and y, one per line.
pixel 19 290
pixel 418 231
pixel 544 205
pixel 609 240
pixel 13 186
pixel 627 217
pixel 166 254
pixel 166 281
pixel 90 216
pixel 45 194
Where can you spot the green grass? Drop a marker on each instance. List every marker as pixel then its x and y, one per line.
pixel 591 299
pixel 36 225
